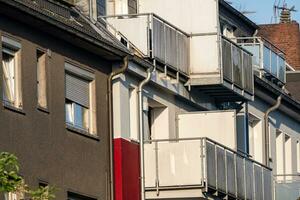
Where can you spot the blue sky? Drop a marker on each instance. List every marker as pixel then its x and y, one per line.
pixel 264 9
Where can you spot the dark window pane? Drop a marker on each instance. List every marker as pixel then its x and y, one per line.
pixel 101 7
pixel 74 196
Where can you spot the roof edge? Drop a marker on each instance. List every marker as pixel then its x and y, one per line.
pixel 239 14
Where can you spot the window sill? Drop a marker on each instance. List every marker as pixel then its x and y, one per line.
pixel 42 109
pixel 13 108
pixel 82 132
pixel 136 141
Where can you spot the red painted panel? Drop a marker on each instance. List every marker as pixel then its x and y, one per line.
pixel 127 170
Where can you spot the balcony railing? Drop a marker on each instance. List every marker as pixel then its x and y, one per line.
pixel 266 56
pixel 206 164
pixel 155 38
pixel 237 65
pixel 287 186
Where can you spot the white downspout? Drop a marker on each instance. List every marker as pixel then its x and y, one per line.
pixel 141 130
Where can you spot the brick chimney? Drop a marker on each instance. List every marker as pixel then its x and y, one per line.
pixel 286 36
pixel 285 16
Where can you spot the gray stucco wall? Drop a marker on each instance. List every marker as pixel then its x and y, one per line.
pixel 47 151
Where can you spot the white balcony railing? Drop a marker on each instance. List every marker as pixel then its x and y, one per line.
pixel 175 50
pixel 266 56
pixel 287 186
pixel 155 38
pixel 237 65
pixel 206 164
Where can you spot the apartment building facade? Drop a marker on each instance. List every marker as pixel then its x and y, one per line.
pixel 240 139
pixel 286 36
pixel 200 112
pixel 54 109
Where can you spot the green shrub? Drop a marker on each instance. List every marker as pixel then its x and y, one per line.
pixel 11 181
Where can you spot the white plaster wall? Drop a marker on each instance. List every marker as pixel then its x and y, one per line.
pixel 125 124
pixel 192 16
pixel 283 123
pixel 116 7
pixel 204 54
pixel 121 112
pixel 219 126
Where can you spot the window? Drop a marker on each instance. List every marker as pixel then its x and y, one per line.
pixel 79 102
pixel 242 137
pixel 132 7
pixel 41 79
pixel 150 117
pixel 101 7
pixel 74 196
pixel 43 184
pixel 283 155
pixel 156 119
pixel 228 31
pixel 255 138
pixel 288 156
pixel 279 153
pixel 11 72
pixel 15 196
pixel 298 157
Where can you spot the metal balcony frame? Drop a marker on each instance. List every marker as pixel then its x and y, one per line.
pixel 204 186
pixel 166 68
pixel 181 71
pixel 263 42
pixel 222 37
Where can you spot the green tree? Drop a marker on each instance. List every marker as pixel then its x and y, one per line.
pixel 11 181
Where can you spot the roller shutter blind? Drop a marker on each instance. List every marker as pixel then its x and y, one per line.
pixel 77 90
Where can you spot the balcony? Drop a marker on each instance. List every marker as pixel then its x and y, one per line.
pixel 237 65
pixel 155 39
pixel 287 187
pixel 208 61
pixel 188 167
pixel 268 60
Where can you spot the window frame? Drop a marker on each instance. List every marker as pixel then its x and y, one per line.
pixel 258 126
pixel 132 10
pixel 44 70
pixel 75 196
pixel 15 195
pixel 84 74
pixel 13 47
pixel 101 7
pixel 298 155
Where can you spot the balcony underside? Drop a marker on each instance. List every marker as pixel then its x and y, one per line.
pixel 172 194
pixel 185 193
pixel 221 91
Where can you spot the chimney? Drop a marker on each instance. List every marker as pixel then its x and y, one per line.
pixel 285 16
pixel 87 7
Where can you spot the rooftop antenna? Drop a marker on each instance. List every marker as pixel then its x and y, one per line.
pixel 247 12
pixel 241 9
pixel 244 11
pixel 275 11
pixel 285 14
